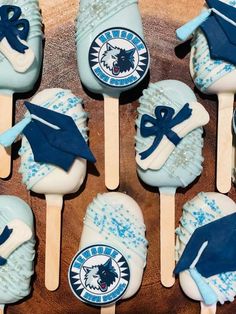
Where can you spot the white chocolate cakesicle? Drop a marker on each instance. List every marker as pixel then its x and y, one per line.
pixel 168 166
pixel 53 181
pixel 201 210
pixel 45 178
pixel 17 250
pixel 114 220
pixel 216 76
pixel 112 58
pixel 21 70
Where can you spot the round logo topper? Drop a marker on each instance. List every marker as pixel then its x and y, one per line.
pixel 118 57
pixel 99 275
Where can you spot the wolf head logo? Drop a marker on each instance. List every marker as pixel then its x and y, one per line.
pixel 118 60
pixel 100 277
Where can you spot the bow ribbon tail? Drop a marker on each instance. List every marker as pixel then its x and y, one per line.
pixel 13 28
pixel 181 116
pixel 15 43
pixel 151 149
pixel 5 235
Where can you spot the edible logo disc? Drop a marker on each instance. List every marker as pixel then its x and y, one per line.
pixel 119 58
pixel 99 275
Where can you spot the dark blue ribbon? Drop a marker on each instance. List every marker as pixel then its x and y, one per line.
pixel 3 238
pixel 162 125
pixel 12 27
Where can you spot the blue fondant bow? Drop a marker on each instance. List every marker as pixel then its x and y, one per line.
pixel 3 238
pixel 162 125
pixel 12 27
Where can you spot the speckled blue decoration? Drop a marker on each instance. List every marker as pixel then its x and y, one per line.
pixel 117 222
pixel 223 285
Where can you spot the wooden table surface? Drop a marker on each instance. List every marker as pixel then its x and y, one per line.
pixel 160 19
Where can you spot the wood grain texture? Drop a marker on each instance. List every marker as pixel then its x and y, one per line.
pixel 160 19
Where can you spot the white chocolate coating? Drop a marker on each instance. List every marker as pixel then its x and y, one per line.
pixel 48 179
pixel 204 208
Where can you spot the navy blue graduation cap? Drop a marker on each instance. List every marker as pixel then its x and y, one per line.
pixel 219 254
pixel 219 26
pixel 54 137
pixel 220 31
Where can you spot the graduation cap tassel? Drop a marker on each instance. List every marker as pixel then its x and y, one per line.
pixel 207 293
pixel 186 30
pixel 8 137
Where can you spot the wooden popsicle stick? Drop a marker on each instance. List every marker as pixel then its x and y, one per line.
pixel 6 111
pixel 108 309
pixel 224 142
pixel 208 309
pixel 167 238
pixel 112 147
pixel 53 241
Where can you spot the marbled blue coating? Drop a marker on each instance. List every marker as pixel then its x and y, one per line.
pixel 63 102
pixel 195 216
pixel 116 223
pixel 185 162
pixel 15 276
pixel 206 70
pixel 22 82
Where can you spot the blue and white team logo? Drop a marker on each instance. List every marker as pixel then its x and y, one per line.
pixel 99 275
pixel 118 57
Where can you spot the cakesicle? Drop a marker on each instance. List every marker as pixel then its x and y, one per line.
pixel 20 60
pixel 213 69
pixel 112 58
pixel 169 153
pixel 54 156
pixel 205 250
pixel 109 266
pixel 16 250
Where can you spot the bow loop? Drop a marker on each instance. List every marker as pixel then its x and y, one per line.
pixel 12 27
pixel 162 125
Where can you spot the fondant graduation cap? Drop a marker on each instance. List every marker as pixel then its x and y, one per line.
pixel 54 137
pixel 219 26
pixel 211 248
